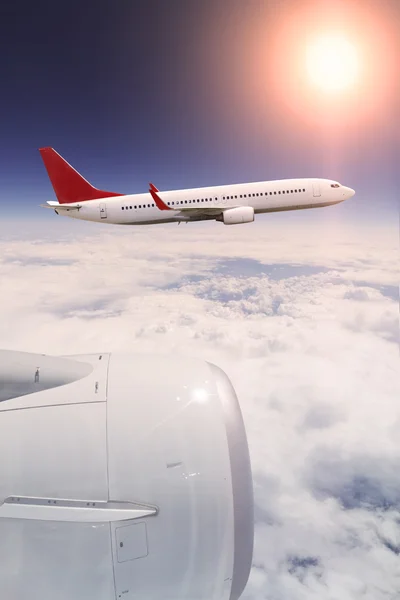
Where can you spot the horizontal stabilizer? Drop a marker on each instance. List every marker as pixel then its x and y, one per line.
pixel 61 207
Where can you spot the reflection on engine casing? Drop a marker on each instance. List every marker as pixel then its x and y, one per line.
pixel 122 476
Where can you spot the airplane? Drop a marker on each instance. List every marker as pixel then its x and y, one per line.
pixel 230 204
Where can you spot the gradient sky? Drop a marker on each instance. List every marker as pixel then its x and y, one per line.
pixel 189 94
pixel 299 308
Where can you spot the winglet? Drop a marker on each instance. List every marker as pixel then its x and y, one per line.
pixel 159 203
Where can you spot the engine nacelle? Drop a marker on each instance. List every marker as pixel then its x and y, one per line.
pixel 235 216
pixel 122 476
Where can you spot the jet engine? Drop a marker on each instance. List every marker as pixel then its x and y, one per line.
pixel 122 477
pixel 235 216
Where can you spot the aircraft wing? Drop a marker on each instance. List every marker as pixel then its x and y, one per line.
pixel 188 210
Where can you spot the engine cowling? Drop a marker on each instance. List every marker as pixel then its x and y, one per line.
pixel 235 216
pixel 122 476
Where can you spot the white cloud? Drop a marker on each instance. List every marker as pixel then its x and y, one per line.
pixel 307 330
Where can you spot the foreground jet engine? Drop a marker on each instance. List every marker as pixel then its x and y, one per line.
pixel 122 476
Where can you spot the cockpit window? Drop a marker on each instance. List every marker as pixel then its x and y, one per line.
pixel 336 185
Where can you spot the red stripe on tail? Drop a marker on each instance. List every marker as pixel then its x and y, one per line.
pixel 68 184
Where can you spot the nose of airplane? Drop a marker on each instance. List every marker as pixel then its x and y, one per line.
pixel 349 192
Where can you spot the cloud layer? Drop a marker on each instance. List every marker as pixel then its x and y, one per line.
pixel 305 323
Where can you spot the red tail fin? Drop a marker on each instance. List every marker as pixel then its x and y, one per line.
pixel 67 183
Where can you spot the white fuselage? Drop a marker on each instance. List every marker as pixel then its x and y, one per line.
pixel 263 197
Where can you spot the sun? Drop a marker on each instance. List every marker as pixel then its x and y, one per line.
pixel 332 63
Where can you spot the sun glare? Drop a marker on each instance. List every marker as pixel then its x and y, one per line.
pixel 332 63
pixel 324 72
